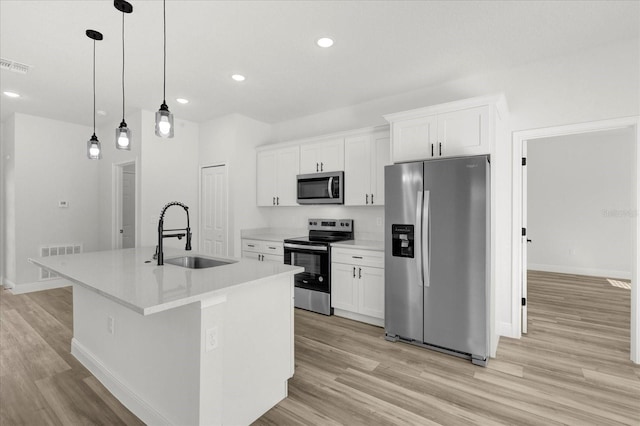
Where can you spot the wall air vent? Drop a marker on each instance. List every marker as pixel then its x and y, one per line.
pixel 6 64
pixel 56 250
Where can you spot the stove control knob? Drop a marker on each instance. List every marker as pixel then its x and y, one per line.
pixel 320 279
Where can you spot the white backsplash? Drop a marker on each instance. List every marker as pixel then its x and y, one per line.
pixel 368 221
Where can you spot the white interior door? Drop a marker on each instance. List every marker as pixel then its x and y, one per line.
pixel 128 206
pixel 525 238
pixel 213 210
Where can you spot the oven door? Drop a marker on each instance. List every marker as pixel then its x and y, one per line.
pixel 315 260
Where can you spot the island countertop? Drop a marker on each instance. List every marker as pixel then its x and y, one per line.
pixel 132 278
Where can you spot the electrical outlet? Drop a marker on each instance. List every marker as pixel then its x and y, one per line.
pixel 211 339
pixel 111 325
pixel 379 221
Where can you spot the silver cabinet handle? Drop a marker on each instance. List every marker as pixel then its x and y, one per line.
pixel 354 272
pixel 357 257
pixel 322 167
pixel 317 168
pixel 440 148
pixel 250 245
pixel 277 201
pixel 366 197
pixel 359 272
pixel 371 198
pixel 274 201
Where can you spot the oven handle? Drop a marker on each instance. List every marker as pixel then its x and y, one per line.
pixel 304 247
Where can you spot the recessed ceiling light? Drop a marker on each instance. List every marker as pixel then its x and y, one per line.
pixel 182 100
pixel 12 94
pixel 238 77
pixel 324 42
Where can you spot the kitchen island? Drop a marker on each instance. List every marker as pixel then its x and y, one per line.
pixel 182 346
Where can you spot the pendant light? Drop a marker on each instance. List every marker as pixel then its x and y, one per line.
pixel 164 118
pixel 94 151
pixel 123 133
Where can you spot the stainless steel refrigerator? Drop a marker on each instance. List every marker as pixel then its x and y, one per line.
pixel 437 247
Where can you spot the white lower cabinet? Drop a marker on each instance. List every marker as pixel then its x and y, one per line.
pixel 266 251
pixel 357 284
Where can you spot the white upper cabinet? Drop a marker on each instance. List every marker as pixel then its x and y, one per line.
pixel 276 176
pixel 323 156
pixel 365 156
pixel 459 128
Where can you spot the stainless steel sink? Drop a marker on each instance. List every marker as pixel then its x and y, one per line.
pixel 197 262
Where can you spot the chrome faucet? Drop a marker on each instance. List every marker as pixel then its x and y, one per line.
pixel 161 231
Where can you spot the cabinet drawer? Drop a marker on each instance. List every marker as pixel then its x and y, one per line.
pixel 371 258
pixel 252 245
pixel 269 247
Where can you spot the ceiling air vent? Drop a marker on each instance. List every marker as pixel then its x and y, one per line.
pixel 6 64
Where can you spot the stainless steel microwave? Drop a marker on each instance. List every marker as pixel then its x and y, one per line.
pixel 321 188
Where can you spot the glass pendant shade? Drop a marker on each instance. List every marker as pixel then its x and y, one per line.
pixel 123 137
pixel 94 150
pixel 164 122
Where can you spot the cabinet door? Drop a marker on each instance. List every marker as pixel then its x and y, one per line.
pixel 357 170
pixel 332 155
pixel 412 139
pixel 344 289
pixel 464 132
pixel 381 156
pixel 288 167
pixel 266 178
pixel 272 258
pixel 371 291
pixel 309 158
pixel 251 255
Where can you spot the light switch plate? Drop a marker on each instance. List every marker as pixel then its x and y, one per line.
pixel 63 204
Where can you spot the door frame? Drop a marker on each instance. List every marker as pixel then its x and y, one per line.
pixel 518 138
pixel 224 164
pixel 117 169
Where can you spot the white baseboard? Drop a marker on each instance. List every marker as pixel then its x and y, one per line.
pixel 39 286
pixel 506 329
pixel 8 284
pixel 593 272
pixel 359 317
pixel 117 387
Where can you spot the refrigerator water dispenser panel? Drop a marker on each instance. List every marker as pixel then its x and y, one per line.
pixel 402 237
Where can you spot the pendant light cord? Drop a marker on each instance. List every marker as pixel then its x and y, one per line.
pixel 122 66
pixel 94 87
pixel 164 79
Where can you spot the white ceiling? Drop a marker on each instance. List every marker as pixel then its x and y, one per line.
pixel 381 48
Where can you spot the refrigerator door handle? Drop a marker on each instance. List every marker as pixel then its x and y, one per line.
pixel 420 261
pixel 426 242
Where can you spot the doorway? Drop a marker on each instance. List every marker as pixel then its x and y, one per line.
pixel 214 226
pixel 124 213
pixel 521 232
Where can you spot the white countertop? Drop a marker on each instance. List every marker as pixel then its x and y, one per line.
pixel 124 277
pixel 360 244
pixel 276 237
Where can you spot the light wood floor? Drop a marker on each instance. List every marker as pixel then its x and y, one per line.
pixel 572 368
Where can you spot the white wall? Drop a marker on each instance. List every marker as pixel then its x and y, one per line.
pixel 580 195
pixel 232 140
pixel 47 164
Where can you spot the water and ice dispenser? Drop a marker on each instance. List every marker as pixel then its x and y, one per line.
pixel 403 240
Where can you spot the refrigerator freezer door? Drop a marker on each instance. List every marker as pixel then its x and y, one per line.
pixel 403 275
pixel 455 302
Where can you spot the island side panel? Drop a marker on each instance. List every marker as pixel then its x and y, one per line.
pixel 257 343
pixel 150 363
